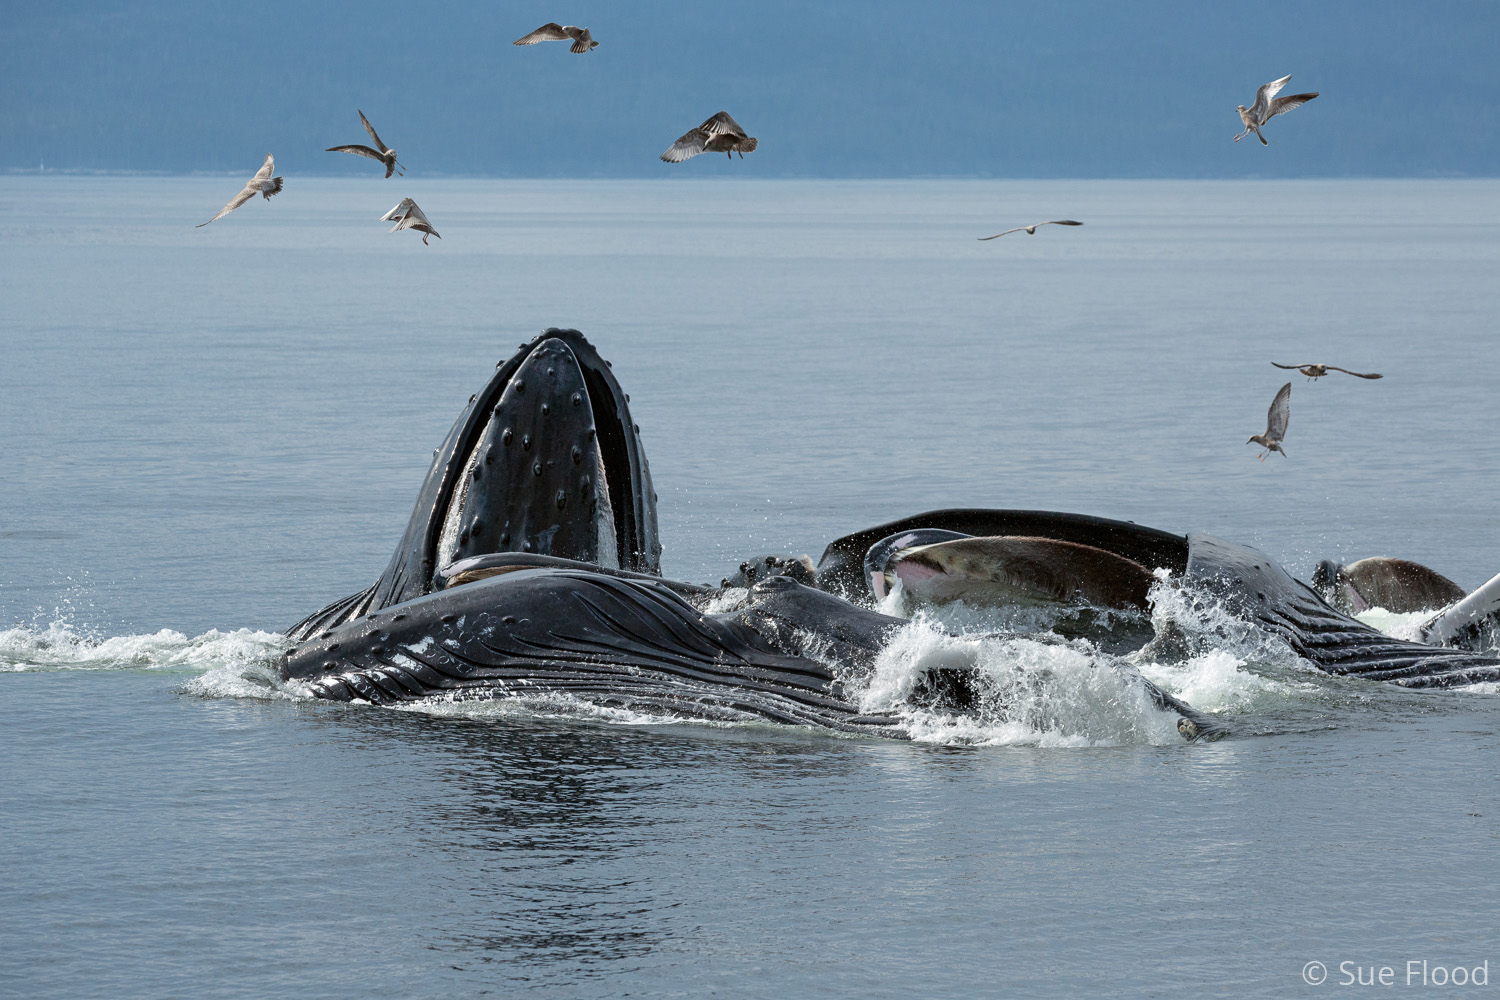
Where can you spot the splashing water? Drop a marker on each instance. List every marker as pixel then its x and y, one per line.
pixel 1032 691
pixel 60 647
pixel 1033 675
pixel 1217 676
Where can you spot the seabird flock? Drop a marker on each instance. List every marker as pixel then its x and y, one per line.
pixel 722 134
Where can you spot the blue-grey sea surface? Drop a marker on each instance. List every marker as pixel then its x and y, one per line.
pixel 207 433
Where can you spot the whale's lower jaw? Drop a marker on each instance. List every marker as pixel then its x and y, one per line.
pixel 605 640
pixel 340 611
pixel 1256 588
pixel 601 685
pixel 1337 648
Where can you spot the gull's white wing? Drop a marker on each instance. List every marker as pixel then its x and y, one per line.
pixel 720 124
pixel 549 32
pixel 1279 414
pixel 1262 109
pixel 249 192
pixel 415 217
pixel 690 145
pixel 1282 105
pixel 398 214
pixel 408 216
pixel 379 146
pixel 1031 229
pixel 263 174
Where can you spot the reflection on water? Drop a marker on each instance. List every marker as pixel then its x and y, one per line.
pixel 541 830
pixel 281 847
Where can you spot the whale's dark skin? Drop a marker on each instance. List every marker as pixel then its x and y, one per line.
pixel 530 567
pixel 1252 586
pixel 1246 582
pixel 545 459
pixel 793 655
pixel 613 641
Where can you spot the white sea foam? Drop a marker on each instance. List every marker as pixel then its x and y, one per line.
pixel 527 707
pixel 729 600
pixel 1217 675
pixel 1219 682
pixel 60 647
pixel 1031 686
pixel 1027 691
pixel 1396 624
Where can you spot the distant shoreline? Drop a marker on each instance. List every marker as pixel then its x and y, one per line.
pixel 72 172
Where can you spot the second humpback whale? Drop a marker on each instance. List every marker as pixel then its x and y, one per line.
pixel 530 568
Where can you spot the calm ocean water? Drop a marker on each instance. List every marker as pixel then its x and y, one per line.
pixel 205 434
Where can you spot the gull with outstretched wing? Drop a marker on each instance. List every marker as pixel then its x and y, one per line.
pixel 408 216
pixel 1276 420
pixel 1031 229
pixel 1268 106
pixel 720 134
pixel 381 152
pixel 1318 371
pixel 261 184
pixel 554 32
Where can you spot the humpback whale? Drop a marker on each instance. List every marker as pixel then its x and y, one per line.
pixel 530 568
pixel 545 459
pixel 1398 585
pixel 1012 569
pixel 1469 621
pixel 1241 580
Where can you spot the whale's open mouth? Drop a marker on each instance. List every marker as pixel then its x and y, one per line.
pixel 547 464
pixel 545 460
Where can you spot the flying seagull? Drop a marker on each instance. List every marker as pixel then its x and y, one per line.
pixel 1031 229
pixel 554 32
pixel 720 134
pixel 381 152
pixel 261 184
pixel 1318 371
pixel 1276 421
pixel 408 216
pixel 1268 106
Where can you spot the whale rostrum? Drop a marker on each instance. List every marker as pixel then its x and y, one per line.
pixel 545 459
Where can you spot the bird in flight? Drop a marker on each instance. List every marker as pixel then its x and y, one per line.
pixel 261 184
pixel 381 152
pixel 554 32
pixel 408 216
pixel 1276 421
pixel 1031 229
pixel 1268 106
pixel 1318 371
pixel 720 134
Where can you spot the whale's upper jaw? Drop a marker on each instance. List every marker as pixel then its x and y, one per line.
pixel 544 459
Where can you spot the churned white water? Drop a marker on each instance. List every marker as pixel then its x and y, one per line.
pixel 206 434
